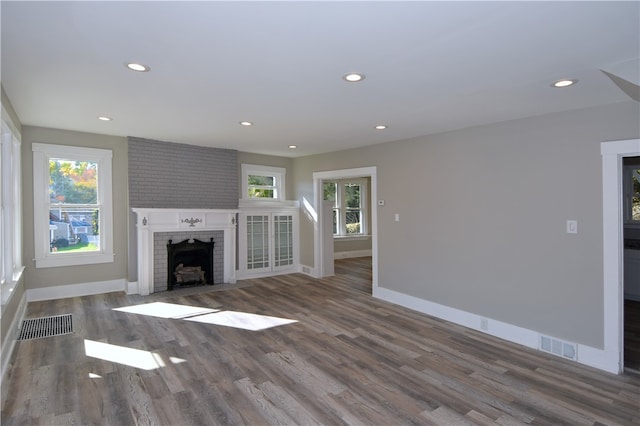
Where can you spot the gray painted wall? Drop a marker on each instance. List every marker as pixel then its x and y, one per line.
pixel 483 217
pixel 48 277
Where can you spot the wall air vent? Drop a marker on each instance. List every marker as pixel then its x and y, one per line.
pixel 559 347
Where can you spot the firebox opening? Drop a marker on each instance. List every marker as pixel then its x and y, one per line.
pixel 190 263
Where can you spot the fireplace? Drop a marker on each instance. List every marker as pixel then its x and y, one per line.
pixel 189 263
pixel 155 227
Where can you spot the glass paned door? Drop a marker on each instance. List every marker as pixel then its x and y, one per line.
pixel 257 242
pixel 283 240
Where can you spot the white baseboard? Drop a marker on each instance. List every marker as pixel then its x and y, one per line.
pixel 587 355
pixel 309 270
pixel 350 254
pixel 10 343
pixel 75 290
pixel 132 287
pixel 244 275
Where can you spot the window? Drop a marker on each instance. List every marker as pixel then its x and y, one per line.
pixel 263 183
pixel 10 209
pixel 632 190
pixel 349 199
pixel 72 205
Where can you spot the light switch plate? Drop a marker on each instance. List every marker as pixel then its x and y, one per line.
pixel 572 226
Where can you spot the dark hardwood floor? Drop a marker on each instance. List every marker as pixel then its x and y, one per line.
pixel 347 359
pixel 632 335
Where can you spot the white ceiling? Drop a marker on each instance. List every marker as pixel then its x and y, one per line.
pixel 430 67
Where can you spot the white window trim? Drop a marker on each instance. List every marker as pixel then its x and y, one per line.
pixel 41 155
pixel 252 169
pixel 11 217
pixel 364 197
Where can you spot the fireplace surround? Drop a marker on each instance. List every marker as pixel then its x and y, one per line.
pixel 150 222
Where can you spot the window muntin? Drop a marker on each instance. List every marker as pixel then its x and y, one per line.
pixel 263 183
pixel 72 205
pixel 349 206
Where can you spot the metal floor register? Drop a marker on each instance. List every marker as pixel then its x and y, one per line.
pixel 37 328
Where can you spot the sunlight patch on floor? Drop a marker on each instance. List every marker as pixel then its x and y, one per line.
pixel 136 358
pixel 243 320
pixel 166 310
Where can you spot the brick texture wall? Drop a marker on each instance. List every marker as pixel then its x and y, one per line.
pixel 171 175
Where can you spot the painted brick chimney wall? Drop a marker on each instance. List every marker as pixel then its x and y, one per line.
pixel 172 175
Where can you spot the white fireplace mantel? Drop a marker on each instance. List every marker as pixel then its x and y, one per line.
pixel 150 221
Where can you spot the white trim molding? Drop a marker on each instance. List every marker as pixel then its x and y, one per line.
pixel 42 153
pixel 150 221
pixel 587 355
pixel 75 290
pixel 317 213
pixel 10 342
pixel 613 248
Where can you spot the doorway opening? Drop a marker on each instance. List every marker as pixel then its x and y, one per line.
pixel 324 257
pixel 613 153
pixel 631 262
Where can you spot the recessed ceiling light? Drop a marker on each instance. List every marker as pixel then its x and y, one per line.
pixel 381 127
pixel 246 123
pixel 293 146
pixel 564 83
pixel 353 77
pixel 104 118
pixel 138 67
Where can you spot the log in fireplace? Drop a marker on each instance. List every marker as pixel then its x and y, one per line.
pixel 189 263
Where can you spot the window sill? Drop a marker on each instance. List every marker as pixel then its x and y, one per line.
pixel 73 260
pixel 266 202
pixel 351 237
pixel 8 287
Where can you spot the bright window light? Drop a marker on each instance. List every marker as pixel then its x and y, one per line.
pixel 166 310
pixel 136 358
pixel 243 320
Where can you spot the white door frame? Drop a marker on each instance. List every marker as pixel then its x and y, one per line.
pixel 318 178
pixel 613 248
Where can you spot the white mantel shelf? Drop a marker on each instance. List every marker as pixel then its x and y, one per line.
pixel 150 221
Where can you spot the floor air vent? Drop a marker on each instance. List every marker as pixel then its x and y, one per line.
pixel 37 328
pixel 558 347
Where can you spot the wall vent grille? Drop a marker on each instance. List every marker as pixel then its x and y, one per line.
pixel 558 347
pixel 36 328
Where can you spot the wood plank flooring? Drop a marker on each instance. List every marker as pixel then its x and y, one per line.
pixel 348 359
pixel 632 335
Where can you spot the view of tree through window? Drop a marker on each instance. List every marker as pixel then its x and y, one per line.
pixel 347 207
pixel 73 206
pixel 353 210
